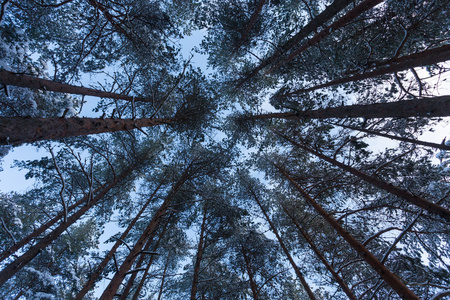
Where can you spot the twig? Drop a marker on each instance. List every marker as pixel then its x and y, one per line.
pixel 7 231
pixel 418 81
pixel 388 162
pixel 63 182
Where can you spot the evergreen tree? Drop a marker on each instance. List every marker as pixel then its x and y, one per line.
pixel 269 178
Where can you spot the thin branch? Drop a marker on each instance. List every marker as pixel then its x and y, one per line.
pixel 7 231
pixel 63 184
pixel 397 79
pixel 134 271
pixel 418 81
pixel 388 162
pixel 366 241
pixel 401 235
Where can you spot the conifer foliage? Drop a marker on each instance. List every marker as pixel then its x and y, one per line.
pixel 300 167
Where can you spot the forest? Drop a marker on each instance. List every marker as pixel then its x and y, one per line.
pixel 309 160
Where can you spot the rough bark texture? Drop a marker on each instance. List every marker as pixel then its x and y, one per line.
pixel 313 246
pixel 21 80
pixel 115 282
pixel 285 250
pixel 25 258
pixel 390 278
pixel 18 130
pixel 348 17
pixel 425 58
pixel 319 20
pixel 398 138
pixel 413 199
pixel 98 271
pixel 424 107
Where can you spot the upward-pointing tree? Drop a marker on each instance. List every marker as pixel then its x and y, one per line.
pixel 19 130
pixel 15 266
pixel 421 59
pixel 251 189
pixel 390 278
pixel 314 23
pixel 369 217
pixel 22 80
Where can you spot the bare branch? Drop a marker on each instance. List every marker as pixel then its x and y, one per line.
pixel 7 231
pixel 63 184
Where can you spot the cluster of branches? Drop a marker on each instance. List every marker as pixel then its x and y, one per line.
pixel 354 223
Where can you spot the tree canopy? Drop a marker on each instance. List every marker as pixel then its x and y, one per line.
pixel 299 165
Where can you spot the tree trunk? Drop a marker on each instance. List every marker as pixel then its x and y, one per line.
pixel 424 107
pixel 198 260
pixel 398 138
pixel 344 20
pixel 112 287
pixel 161 287
pixel 25 258
pixel 152 257
pixel 416 200
pixel 285 250
pixel 391 279
pixel 252 21
pixel 335 275
pixel 41 229
pixel 253 285
pixel 18 130
pixel 126 290
pixel 425 58
pixel 98 271
pixel 312 26
pixel 26 81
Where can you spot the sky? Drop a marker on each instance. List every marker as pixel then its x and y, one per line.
pixel 12 179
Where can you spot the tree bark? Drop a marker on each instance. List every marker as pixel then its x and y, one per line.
pixel 126 290
pixel 252 21
pixel 41 229
pixel 398 138
pixel 26 81
pixel 198 260
pixel 285 250
pixel 31 253
pixel 391 279
pixel 144 276
pixel 308 238
pixel 18 130
pixel 424 107
pixel 251 278
pixel 312 26
pixel 344 20
pixel 413 199
pixel 111 289
pixel 98 271
pixel 421 59
pixel 115 282
pixel 161 287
